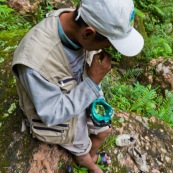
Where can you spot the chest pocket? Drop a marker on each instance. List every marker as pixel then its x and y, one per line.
pixel 67 84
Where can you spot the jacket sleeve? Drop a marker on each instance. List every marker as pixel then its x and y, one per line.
pixel 52 105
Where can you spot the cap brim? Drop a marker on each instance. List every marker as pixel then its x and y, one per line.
pixel 130 45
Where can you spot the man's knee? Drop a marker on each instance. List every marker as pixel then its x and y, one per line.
pixel 104 134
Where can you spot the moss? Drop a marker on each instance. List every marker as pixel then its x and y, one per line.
pixel 141 28
pixel 117 122
pixel 8 96
pixel 160 130
pixel 157 126
pixel 116 168
pixel 6 35
pixel 15 147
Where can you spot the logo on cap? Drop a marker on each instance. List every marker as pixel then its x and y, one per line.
pixel 132 16
pixel 131 20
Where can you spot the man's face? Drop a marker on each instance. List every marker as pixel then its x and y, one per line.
pixel 86 38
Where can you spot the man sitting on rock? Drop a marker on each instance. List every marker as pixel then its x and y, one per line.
pixel 58 73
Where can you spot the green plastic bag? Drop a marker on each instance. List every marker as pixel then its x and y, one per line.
pixel 103 118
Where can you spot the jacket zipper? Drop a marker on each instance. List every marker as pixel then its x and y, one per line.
pixel 65 81
pixel 48 129
pixel 39 121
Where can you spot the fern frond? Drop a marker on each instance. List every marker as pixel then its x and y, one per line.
pixel 156 10
pixel 141 4
pixel 160 47
pixel 165 111
pixel 132 73
pixel 145 100
pixel 139 13
pixel 5 10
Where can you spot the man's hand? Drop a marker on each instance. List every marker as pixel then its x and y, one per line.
pixel 100 66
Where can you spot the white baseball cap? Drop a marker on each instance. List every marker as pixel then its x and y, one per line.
pixel 113 19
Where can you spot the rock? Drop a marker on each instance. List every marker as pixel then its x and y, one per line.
pixel 154 140
pixel 62 3
pixel 155 171
pixel 120 156
pixel 115 151
pixel 30 7
pixel 163 150
pixel 168 159
pixel 21 153
pixel 146 138
pixel 24 6
pixel 158 72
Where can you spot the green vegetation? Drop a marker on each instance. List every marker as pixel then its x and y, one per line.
pixel 76 1
pixel 157 18
pixel 81 169
pixel 116 56
pixel 42 9
pixel 140 99
pixel 12 28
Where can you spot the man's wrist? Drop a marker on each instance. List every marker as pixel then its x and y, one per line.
pixel 94 84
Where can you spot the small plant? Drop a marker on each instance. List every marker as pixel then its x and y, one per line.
pixel 131 74
pixel 10 20
pixel 116 56
pixel 143 99
pixel 158 47
pixel 5 10
pixel 12 25
pixel 76 1
pixel 109 143
pixel 79 169
pixel 165 109
pixel 43 8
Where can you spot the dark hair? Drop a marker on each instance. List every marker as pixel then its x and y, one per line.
pixel 80 22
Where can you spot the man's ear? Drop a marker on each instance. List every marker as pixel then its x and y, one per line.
pixel 88 33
